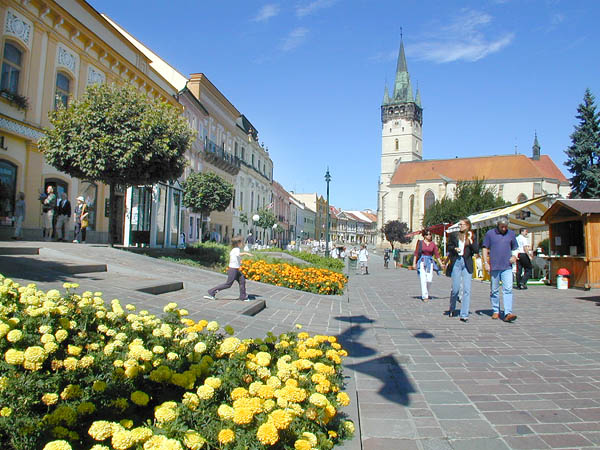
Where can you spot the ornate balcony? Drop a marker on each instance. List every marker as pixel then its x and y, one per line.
pixel 217 156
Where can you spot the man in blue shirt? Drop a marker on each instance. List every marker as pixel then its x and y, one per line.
pixel 498 246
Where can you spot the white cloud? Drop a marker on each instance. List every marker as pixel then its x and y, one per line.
pixel 294 39
pixel 384 56
pixel 462 39
pixel 266 12
pixel 313 6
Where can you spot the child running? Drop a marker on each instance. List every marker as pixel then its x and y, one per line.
pixel 233 272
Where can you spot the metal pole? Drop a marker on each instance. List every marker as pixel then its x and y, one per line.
pixel 327 179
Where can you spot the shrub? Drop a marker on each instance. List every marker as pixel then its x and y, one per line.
pixel 209 253
pixel 76 372
pixel 310 279
pixel 319 261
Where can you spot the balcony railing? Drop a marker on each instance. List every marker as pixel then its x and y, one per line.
pixel 217 154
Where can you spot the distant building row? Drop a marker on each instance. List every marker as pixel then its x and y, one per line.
pixel 51 50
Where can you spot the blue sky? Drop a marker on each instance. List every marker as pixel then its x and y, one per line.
pixel 310 74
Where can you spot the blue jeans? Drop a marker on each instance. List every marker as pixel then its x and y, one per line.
pixel 460 273
pixel 506 276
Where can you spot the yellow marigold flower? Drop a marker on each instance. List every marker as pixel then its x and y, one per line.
pixel 34 354
pixel 253 388
pixel 172 356
pixel 126 423
pixel 229 345
pixel 274 382
pixel 242 416
pixel 200 347
pixel 5 412
pixel 86 362
pixel 193 440
pixel 121 403
pixel 44 329
pixel 318 400
pixel 332 434
pixel 291 383
pixel 158 349
pixel 311 413
pixel 130 307
pixel 162 443
pixel 349 426
pixel 14 336
pixel 213 382
pixel 205 392
pixel 226 436
pixel 71 391
pixel 70 363
pixel 141 434
pixel 212 326
pixel 267 434
pixel 170 307
pixel 99 386
pixel 15 357
pixel 58 445
pixel 311 438
pixel 140 398
pixel 299 326
pixel 163 414
pixel 99 447
pixel 4 329
pixel 301 444
pixel 191 400
pixel 122 440
pixel 263 372
pixel 324 368
pixel 50 347
pixel 281 419
pixel 324 387
pixel 100 430
pixel 263 359
pixel 303 335
pixel 225 412
pixel 343 399
pixel 73 350
pixel 85 408
pixel 61 335
pixel 266 392
pixel 239 392
pixel 3 383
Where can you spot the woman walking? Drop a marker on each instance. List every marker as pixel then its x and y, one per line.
pixel 81 220
pixel 462 246
pixel 233 272
pixel 424 261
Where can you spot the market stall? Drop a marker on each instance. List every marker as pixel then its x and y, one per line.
pixel 574 240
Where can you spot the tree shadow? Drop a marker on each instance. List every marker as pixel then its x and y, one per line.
pixel 355 319
pixel 396 385
pixel 33 270
pixel 594 298
pixel 424 335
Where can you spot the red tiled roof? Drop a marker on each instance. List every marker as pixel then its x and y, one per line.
pixel 512 167
pixel 371 216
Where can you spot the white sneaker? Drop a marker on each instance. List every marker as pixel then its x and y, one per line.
pixel 75 241
pixel 209 297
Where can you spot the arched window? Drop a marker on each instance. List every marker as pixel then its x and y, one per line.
pixel 428 200
pixel 411 211
pixel 521 198
pixel 397 144
pixel 11 68
pixel 63 90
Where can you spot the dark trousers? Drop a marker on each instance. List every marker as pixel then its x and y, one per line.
pixel 232 275
pixel 80 232
pixel 523 269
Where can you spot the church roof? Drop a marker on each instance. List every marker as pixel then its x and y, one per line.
pixel 512 167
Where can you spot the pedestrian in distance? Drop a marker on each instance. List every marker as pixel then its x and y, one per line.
pixel 48 206
pixel 498 246
pixel 462 246
pixel 233 271
pixel 426 260
pixel 386 258
pixel 63 214
pixel 524 254
pixel 19 216
pixel 81 219
pixel 363 260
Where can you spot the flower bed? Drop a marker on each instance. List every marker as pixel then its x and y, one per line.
pixel 310 279
pixel 77 373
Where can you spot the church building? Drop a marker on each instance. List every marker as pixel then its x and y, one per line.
pixel 409 184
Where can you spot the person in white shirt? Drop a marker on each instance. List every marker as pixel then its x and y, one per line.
pixel 523 259
pixel 363 260
pixel 233 272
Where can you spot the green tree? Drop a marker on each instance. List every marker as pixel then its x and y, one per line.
pixel 117 135
pixel 469 197
pixel 584 153
pixel 396 231
pixel 204 192
pixel 267 218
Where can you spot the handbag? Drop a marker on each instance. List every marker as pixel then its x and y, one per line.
pixel 84 223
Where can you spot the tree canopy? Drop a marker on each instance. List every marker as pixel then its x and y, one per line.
pixel 584 152
pixel 117 135
pixel 396 231
pixel 206 191
pixel 469 197
pixel 267 218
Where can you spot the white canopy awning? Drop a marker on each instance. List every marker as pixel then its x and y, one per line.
pixel 525 214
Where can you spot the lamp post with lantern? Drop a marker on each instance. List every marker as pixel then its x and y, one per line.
pixel 327 180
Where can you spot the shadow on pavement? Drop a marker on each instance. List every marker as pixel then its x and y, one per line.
pixel 396 386
pixel 33 270
pixel 423 335
pixel 355 319
pixel 484 312
pixel 595 298
pixel 349 340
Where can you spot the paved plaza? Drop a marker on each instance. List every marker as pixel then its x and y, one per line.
pixel 421 380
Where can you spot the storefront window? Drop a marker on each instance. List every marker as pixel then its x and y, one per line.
pixel 161 215
pixel 174 219
pixel 8 182
pixel 89 191
pixel 141 209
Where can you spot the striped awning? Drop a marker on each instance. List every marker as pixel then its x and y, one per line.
pixel 527 214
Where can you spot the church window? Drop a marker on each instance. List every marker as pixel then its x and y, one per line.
pixel 537 189
pixel 411 211
pixel 397 144
pixel 429 200
pixel 521 198
pixel 400 206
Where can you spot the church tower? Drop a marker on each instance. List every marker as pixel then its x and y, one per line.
pixel 401 120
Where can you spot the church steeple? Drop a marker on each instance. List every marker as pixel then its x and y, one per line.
pixel 402 87
pixel 536 148
pixel 418 97
pixel 386 95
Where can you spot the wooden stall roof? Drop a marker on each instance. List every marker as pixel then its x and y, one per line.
pixel 569 207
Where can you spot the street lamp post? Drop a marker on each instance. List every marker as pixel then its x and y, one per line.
pixel 327 180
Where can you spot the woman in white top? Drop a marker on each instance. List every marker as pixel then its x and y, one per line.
pixel 233 272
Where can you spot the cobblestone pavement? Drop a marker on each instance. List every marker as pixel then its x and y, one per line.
pixel 422 380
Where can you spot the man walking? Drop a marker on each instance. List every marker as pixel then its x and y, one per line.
pixel 523 261
pixel 63 212
pixel 498 245
pixel 363 260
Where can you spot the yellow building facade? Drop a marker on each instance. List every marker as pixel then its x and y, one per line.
pixel 51 51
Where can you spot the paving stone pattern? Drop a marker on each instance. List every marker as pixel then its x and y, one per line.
pixel 421 379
